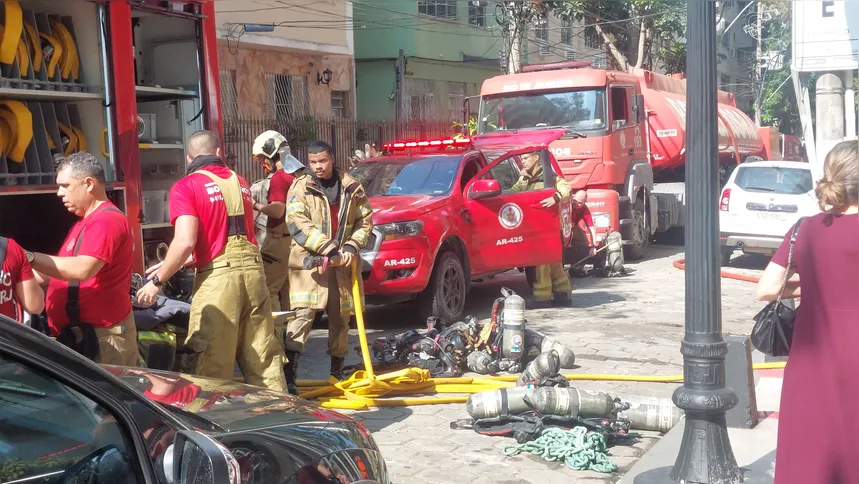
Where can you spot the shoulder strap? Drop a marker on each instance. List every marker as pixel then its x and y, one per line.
pixel 792 241
pixel 233 200
pixel 4 243
pixel 73 308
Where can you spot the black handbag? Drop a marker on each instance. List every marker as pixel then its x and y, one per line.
pixel 773 330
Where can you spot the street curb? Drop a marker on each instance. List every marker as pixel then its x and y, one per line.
pixel 662 454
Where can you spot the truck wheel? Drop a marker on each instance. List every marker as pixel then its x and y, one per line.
pixel 531 276
pixel 640 237
pixel 444 297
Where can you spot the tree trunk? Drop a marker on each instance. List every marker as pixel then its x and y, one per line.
pixel 615 52
pixel 643 37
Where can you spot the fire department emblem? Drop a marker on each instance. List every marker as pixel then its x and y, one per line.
pixel 510 216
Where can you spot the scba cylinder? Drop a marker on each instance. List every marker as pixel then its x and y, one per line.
pixel 491 403
pixel 546 365
pixel 479 362
pixel 570 402
pixel 651 413
pixel 513 325
pixel 566 355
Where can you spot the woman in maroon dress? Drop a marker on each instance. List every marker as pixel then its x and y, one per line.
pixel 818 421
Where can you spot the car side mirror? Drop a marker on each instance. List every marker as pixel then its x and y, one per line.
pixel 198 458
pixel 484 189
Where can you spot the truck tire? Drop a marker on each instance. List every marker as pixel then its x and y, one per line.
pixel 445 294
pixel 640 238
pixel 531 276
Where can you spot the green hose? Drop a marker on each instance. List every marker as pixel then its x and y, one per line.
pixel 580 449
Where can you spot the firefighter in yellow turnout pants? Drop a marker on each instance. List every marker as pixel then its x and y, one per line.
pixel 551 283
pixel 231 318
pixel 328 215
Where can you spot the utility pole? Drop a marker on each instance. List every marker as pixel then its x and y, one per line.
pixel 705 454
pixel 401 73
pixel 758 70
pixel 514 54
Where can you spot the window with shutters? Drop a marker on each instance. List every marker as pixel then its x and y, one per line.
pixel 455 99
pixel 567 33
pixel 286 96
pixel 229 96
pixel 477 13
pixel 592 37
pixel 419 99
pixel 338 104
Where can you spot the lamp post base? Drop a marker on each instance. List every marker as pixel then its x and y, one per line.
pixel 705 453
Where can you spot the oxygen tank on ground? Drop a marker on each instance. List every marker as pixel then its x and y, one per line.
pixel 491 403
pixel 546 365
pixel 479 362
pixel 571 402
pixel 566 355
pixel 513 326
pixel 651 413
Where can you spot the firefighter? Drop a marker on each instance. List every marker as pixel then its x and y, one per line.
pixel 328 215
pixel 19 289
pixel 87 302
pixel 230 320
pixel 551 284
pixel 271 150
pixel 581 213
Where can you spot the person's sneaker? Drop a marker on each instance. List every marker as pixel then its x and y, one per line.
pixel 561 300
pixel 290 371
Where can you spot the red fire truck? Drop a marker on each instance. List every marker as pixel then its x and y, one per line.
pixel 625 139
pixel 127 80
pixel 446 213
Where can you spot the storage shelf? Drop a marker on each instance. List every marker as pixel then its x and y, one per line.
pixel 148 93
pixel 45 95
pixel 161 146
pixel 156 226
pixel 46 189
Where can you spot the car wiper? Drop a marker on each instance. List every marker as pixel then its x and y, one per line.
pixel 762 189
pixel 574 134
pixel 22 389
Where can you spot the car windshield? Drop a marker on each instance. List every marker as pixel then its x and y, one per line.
pixel 774 179
pixel 424 175
pixel 578 110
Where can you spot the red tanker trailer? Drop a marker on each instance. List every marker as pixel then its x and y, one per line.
pixel 625 141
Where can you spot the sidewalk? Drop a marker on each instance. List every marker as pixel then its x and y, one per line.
pixel 753 448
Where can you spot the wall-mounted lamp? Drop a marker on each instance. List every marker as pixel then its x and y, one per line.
pixel 324 77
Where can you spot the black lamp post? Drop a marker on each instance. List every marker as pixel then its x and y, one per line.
pixel 705 454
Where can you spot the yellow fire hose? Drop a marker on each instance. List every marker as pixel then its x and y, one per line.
pixel 365 389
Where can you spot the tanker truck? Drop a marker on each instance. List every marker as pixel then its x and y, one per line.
pixel 625 141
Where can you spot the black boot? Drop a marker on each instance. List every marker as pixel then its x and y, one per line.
pixel 562 300
pixel 337 366
pixel 290 371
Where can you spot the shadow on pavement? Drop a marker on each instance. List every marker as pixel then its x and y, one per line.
pixel 380 418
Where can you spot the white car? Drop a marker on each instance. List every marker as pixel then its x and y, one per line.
pixel 759 204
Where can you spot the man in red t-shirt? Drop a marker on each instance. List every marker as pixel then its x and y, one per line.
pixel 90 277
pixel 212 211
pixel 270 150
pixel 581 239
pixel 17 283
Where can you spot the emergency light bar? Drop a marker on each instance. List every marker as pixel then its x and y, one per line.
pixel 437 143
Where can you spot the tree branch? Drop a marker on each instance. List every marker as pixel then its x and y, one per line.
pixel 615 52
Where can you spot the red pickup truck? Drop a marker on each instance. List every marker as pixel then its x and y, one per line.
pixel 446 213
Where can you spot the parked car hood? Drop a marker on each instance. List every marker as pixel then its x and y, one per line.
pixel 274 434
pixel 404 208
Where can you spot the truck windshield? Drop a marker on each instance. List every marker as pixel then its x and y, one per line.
pixel 426 175
pixel 577 110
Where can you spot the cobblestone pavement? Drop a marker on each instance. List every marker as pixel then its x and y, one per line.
pixel 630 325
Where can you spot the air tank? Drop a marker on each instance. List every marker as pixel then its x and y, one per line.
pixel 651 413
pixel 513 326
pixel 571 402
pixel 490 403
pixel 546 365
pixel 566 356
pixel 479 362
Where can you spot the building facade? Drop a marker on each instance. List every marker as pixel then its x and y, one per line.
pixel 451 47
pixel 291 60
pixel 737 49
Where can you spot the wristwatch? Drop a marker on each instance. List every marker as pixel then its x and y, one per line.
pixel 156 281
pixel 30 256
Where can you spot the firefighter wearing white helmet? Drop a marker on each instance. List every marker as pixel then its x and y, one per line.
pixel 272 152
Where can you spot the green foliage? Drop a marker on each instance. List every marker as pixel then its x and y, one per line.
pixel 662 22
pixel 773 88
pixel 471 126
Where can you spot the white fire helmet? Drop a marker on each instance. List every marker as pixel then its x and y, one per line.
pixel 275 147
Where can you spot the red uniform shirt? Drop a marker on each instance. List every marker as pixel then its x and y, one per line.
pixel 190 196
pixel 105 299
pixel 583 213
pixel 15 269
pixel 277 190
